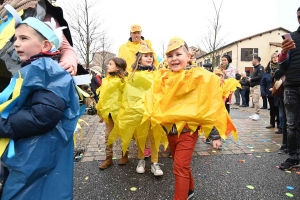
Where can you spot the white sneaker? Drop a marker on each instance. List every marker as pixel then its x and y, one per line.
pixel 140 167
pixel 155 169
pixel 251 116
pixel 255 117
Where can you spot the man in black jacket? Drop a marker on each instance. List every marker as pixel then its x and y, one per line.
pixel 255 85
pixel 289 63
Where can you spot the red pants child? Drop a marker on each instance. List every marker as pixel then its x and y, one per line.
pixel 182 148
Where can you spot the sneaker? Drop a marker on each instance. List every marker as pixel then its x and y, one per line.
pixel 155 169
pixel 251 116
pixel 289 164
pixel 140 167
pixel 190 194
pixel 283 150
pixel 255 117
pixel 207 141
pixel 147 152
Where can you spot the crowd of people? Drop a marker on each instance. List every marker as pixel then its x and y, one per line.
pixel 139 98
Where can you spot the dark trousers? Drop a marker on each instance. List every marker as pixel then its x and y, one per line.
pixel 292 109
pixel 227 105
pixel 237 93
pixel 274 112
pixel 265 102
pixel 282 119
pixel 245 97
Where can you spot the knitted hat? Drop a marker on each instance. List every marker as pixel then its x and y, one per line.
pixel 228 58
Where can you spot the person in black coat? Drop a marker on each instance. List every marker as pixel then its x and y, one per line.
pixel 265 89
pixel 245 90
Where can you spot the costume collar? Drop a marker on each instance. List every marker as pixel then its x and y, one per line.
pixel 54 55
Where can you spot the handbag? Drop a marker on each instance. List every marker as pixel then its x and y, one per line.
pixel 278 88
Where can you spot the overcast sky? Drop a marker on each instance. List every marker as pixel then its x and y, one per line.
pixel 188 19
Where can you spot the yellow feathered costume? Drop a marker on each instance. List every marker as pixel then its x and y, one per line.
pixel 229 85
pixel 189 97
pixel 110 98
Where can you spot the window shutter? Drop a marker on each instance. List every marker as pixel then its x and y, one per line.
pixel 242 54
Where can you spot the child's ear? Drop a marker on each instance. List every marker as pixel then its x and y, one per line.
pixel 47 46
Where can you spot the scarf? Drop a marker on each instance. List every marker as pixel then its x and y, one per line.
pixel 273 67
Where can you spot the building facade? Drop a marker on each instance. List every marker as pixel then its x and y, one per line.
pixel 242 51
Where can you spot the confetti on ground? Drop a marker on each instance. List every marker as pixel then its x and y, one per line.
pixel 258 156
pixel 294 169
pixel 277 167
pixel 289 188
pixel 241 161
pixel 87 178
pixel 250 147
pixel 250 187
pixel 289 194
pixel 249 154
pixel 228 172
pixel 133 189
pixel 298 173
pixel 252 150
pixel 267 150
pixel 287 171
pixel 114 158
pixel 213 151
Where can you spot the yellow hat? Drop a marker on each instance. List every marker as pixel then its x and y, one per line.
pixel 144 49
pixel 174 43
pixel 135 28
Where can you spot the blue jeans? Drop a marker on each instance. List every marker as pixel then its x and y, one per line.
pixel 244 92
pixel 292 109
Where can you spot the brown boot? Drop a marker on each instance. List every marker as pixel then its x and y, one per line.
pixel 124 159
pixel 108 162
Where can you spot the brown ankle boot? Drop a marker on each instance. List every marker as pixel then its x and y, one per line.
pixel 108 162
pixel 124 159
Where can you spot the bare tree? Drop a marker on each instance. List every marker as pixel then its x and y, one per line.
pixel 212 42
pixel 86 28
pixel 102 57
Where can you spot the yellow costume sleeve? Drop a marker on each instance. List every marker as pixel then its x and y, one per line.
pixel 191 97
pixel 229 85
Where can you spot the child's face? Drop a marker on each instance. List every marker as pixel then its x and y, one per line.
pixel 178 59
pixel 27 42
pixel 111 66
pixel 147 59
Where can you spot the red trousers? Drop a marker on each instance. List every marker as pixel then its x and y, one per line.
pixel 182 148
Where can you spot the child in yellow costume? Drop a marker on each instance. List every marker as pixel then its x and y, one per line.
pixel 109 103
pixel 185 102
pixel 131 113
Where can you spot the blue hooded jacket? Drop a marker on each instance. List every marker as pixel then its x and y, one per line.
pixel 42 126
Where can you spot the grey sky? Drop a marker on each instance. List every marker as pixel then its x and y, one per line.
pixel 162 19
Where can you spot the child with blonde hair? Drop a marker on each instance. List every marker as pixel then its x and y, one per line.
pixel 181 102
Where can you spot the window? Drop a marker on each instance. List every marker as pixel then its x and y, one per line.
pixel 247 53
pixel 229 53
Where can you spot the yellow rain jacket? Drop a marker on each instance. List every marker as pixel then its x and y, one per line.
pixel 189 97
pixel 110 98
pixel 128 50
pixel 129 120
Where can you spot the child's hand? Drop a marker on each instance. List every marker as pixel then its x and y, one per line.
pixel 216 143
pixel 68 67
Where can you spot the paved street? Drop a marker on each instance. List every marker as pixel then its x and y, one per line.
pixel 221 174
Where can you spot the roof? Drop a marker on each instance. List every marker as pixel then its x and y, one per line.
pixel 252 36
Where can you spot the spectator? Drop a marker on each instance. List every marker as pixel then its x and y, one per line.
pixel 245 90
pixel 237 92
pixel 255 85
pixel 289 61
